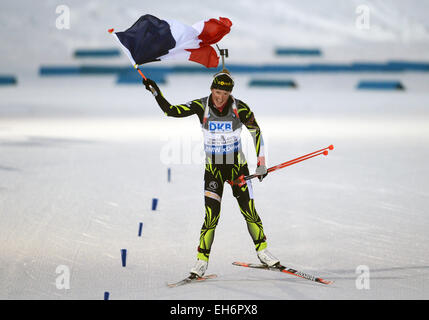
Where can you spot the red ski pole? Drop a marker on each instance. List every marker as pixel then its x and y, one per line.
pixel 242 179
pixel 323 151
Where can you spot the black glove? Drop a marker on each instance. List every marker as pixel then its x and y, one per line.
pixel 151 86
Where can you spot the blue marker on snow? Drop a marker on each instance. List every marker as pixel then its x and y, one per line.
pixel 154 203
pixel 140 228
pixel 106 295
pixel 124 257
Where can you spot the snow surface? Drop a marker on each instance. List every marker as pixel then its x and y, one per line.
pixel 82 158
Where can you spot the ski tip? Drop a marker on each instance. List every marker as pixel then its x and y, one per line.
pixel 241 264
pixel 209 276
pixel 331 147
pixel 175 284
pixel 110 30
pixel 328 282
pixel 189 280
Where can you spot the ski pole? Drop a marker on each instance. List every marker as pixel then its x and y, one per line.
pixel 241 180
pixel 323 151
pixel 286 164
pixel 135 65
pixel 291 162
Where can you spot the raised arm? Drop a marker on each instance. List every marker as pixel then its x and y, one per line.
pixel 178 110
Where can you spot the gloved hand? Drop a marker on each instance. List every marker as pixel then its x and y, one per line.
pixel 151 86
pixel 261 170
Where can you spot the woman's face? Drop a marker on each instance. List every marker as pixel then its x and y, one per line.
pixel 220 97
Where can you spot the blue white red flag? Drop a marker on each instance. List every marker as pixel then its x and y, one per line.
pixel 152 39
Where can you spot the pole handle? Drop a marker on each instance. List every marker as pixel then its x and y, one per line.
pixel 144 77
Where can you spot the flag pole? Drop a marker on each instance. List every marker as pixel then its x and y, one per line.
pixel 223 54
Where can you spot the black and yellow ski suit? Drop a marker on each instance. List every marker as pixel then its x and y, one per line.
pixel 224 161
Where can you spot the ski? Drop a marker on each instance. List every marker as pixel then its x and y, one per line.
pixel 284 269
pixel 192 278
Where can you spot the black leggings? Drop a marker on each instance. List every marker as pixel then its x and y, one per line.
pixel 214 178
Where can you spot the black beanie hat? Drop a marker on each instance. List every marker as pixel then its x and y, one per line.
pixel 223 81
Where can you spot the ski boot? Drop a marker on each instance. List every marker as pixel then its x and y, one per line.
pixel 199 268
pixel 267 258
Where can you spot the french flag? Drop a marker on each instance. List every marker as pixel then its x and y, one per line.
pixel 152 39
